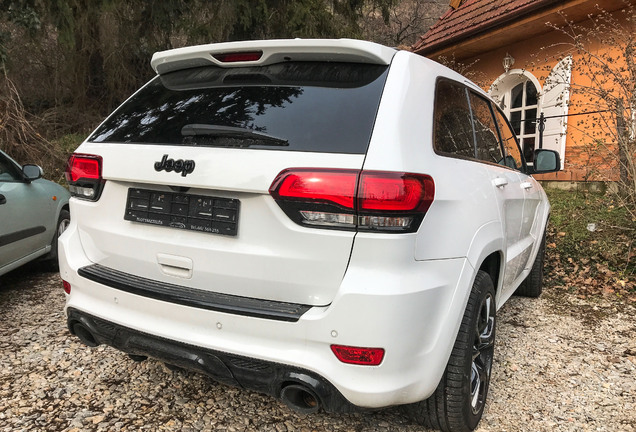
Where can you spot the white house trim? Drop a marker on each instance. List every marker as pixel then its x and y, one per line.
pixel 553 100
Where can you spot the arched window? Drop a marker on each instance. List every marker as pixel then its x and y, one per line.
pixel 522 110
pixel 518 97
pixel 522 99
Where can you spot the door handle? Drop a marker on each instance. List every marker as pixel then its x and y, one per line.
pixel 526 185
pixel 500 182
pixel 3 200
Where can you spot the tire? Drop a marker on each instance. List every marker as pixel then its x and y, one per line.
pixel 532 286
pixel 458 402
pixel 51 261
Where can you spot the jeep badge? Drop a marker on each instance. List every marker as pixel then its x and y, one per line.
pixel 184 167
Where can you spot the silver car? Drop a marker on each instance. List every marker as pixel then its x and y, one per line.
pixel 33 213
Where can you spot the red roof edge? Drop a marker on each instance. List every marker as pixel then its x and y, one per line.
pixel 535 6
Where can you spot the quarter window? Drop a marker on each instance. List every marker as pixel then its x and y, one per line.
pixel 453 133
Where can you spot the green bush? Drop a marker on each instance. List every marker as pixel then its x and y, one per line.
pixel 590 244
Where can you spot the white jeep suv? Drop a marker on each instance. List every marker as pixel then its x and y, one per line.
pixel 331 222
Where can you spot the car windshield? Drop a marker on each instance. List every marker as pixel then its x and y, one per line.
pixel 295 106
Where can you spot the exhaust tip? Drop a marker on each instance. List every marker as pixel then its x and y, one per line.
pixel 137 358
pixel 84 335
pixel 300 399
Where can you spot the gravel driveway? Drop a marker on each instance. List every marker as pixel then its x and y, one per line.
pixel 561 363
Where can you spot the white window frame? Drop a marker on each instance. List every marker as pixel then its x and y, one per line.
pixel 553 101
pixel 501 91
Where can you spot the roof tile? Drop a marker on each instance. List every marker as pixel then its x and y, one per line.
pixel 474 16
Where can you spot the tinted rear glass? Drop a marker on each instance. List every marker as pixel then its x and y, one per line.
pixel 299 106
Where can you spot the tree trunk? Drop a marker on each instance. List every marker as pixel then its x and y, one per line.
pixel 622 134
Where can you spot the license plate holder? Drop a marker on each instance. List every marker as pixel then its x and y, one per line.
pixel 214 215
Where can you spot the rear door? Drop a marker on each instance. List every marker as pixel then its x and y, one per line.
pixel 533 213
pixel 188 162
pixel 506 182
pixel 523 188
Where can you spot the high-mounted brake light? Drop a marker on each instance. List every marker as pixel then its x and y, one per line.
pixel 352 199
pixel 84 176
pixel 358 356
pixel 236 57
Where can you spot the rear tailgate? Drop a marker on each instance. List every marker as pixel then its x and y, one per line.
pixel 270 257
pixel 220 137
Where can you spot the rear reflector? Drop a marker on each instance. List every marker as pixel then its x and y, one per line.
pixel 67 287
pixel 84 176
pixel 358 356
pixel 352 199
pixel 237 57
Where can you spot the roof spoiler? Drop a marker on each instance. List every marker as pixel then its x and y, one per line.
pixel 266 52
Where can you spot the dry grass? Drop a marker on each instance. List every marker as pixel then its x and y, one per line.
pixel 20 138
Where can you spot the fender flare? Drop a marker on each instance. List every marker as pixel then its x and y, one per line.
pixel 488 239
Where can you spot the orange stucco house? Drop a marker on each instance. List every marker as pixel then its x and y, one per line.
pixel 513 50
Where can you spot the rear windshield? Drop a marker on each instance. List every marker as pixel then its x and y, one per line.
pixel 296 106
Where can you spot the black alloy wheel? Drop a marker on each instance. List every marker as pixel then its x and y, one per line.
pixel 459 400
pixel 483 352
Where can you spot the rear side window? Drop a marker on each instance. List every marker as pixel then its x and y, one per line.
pixel 453 133
pixel 296 106
pixel 509 140
pixel 487 140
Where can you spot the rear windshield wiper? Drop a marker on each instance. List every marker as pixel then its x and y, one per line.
pixel 211 130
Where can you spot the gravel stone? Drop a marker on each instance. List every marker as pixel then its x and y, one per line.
pixel 561 363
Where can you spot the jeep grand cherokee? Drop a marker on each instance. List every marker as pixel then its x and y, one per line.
pixel 331 222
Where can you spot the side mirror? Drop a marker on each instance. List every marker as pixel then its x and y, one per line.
pixel 31 172
pixel 546 161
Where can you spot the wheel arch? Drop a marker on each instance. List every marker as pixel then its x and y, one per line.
pixel 486 251
pixel 60 209
pixel 492 265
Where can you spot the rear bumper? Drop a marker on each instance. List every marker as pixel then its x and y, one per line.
pixel 411 309
pixel 199 299
pixel 262 376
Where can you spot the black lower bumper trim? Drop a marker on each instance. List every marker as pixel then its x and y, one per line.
pixel 258 308
pixel 261 376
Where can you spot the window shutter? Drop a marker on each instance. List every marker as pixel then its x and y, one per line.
pixel 556 95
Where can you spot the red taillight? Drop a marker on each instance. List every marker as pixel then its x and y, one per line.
pixel 390 191
pixel 353 199
pixel 317 185
pixel 358 356
pixel 83 166
pixel 236 57
pixel 67 287
pixel 84 175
